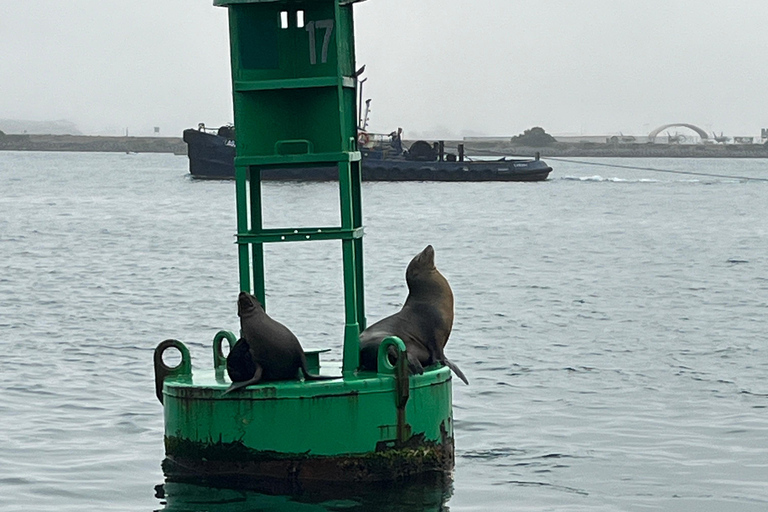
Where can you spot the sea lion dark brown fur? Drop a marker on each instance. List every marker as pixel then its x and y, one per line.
pixel 240 365
pixel 424 323
pixel 274 351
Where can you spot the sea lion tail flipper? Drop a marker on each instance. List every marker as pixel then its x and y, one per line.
pixel 456 370
pixel 253 380
pixel 237 385
pixel 312 376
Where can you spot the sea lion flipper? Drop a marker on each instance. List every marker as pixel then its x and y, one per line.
pixel 236 385
pixel 253 380
pixel 312 376
pixel 456 370
pixel 414 364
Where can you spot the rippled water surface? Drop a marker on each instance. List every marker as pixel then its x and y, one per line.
pixel 612 323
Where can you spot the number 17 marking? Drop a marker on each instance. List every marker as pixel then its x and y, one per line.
pixel 310 28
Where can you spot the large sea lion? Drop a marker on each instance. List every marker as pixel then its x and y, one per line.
pixel 424 323
pixel 273 352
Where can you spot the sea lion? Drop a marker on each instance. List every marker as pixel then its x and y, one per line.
pixel 424 323
pixel 274 351
pixel 240 365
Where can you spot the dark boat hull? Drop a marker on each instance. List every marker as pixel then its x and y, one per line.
pixel 210 156
pixel 497 170
pixel 213 157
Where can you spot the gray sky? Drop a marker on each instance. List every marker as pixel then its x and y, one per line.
pixel 435 67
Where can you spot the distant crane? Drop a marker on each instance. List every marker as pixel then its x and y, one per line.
pixel 721 139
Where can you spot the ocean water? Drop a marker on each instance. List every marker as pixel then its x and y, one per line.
pixel 613 324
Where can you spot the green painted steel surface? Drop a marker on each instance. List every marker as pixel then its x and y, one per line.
pixel 345 416
pixel 388 424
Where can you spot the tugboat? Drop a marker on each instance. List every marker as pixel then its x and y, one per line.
pixel 212 156
pixel 211 152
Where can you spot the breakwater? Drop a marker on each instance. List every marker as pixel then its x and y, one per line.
pixel 561 149
pixel 89 143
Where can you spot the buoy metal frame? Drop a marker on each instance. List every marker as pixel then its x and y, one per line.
pixel 294 90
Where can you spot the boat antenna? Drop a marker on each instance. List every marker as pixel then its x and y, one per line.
pixel 360 120
pixel 364 121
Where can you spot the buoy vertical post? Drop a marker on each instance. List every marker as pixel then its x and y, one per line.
pixel 294 94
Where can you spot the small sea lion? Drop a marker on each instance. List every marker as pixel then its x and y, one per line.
pixel 273 350
pixel 424 323
pixel 240 365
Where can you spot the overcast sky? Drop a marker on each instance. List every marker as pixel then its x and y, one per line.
pixel 435 67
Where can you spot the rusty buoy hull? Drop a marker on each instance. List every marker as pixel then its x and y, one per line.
pixel 368 426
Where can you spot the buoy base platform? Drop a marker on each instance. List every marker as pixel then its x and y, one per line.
pixel 369 426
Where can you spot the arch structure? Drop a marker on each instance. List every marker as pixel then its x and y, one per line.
pixel 654 133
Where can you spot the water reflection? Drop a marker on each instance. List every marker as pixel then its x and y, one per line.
pixel 426 493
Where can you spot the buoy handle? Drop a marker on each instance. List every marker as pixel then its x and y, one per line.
pixel 163 371
pixel 399 370
pixel 219 359
pixel 384 365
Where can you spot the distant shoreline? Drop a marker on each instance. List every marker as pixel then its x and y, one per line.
pixel 596 150
pixel 476 147
pixel 89 143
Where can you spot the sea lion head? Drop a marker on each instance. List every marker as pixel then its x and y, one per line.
pixel 421 268
pixel 422 262
pixel 247 305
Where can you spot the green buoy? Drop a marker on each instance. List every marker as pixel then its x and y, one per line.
pixel 294 87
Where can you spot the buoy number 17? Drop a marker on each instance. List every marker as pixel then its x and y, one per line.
pixel 311 27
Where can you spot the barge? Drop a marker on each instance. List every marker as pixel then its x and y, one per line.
pixel 212 156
